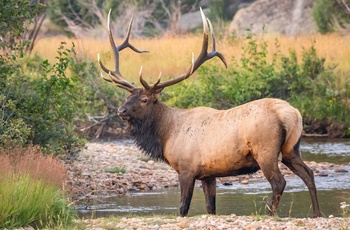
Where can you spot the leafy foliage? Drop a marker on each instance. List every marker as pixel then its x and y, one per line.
pixel 39 104
pixel 37 97
pixel 14 18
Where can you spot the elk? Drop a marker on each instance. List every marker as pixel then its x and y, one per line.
pixel 204 143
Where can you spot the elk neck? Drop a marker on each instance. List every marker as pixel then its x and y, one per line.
pixel 151 132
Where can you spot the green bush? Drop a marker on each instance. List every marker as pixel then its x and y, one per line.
pixel 308 83
pixel 37 97
pixel 27 202
pixel 39 104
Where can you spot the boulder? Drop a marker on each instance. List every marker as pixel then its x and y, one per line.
pixel 276 16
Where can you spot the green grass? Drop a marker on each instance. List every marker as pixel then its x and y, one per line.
pixel 29 202
pixel 116 170
pixel 31 190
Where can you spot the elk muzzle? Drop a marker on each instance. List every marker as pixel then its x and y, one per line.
pixel 122 112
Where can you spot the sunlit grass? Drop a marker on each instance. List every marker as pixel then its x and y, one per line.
pixel 171 56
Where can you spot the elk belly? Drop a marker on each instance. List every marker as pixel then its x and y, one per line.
pixel 228 164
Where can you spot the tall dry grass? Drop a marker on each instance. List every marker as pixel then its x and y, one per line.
pixel 172 55
pixel 32 162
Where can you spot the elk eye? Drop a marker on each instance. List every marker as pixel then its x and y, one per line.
pixel 144 100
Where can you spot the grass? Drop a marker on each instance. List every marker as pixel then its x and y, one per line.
pixel 172 55
pixel 31 190
pixel 31 161
pixel 26 201
pixel 116 170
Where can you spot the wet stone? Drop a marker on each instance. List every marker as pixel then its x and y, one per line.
pixel 323 173
pixel 340 170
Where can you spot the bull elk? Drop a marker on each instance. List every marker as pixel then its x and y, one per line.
pixel 204 143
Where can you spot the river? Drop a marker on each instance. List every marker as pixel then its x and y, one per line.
pixel 247 199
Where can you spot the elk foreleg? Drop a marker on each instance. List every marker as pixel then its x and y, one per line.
pixel 209 189
pixel 186 188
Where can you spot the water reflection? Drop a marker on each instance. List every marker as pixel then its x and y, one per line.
pixel 293 204
pixel 326 150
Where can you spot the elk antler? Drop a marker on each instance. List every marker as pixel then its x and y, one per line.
pixel 115 76
pixel 202 57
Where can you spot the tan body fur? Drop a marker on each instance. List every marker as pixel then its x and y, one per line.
pixel 219 143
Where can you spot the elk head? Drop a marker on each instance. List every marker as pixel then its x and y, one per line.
pixel 140 102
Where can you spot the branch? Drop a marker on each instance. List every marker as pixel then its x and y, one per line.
pixel 344 6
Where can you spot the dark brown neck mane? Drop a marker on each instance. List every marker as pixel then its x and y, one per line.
pixel 148 134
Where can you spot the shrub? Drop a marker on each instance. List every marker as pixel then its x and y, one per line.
pixel 39 105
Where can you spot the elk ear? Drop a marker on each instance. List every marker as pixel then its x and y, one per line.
pixel 157 91
pixel 155 97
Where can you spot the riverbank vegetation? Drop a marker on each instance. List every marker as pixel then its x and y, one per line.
pixel 32 191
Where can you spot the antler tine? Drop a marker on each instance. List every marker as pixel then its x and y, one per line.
pixel 202 57
pixel 126 43
pixel 120 84
pixel 143 82
pixel 214 44
pixel 116 76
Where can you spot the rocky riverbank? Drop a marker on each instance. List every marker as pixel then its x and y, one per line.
pixel 209 222
pixel 116 168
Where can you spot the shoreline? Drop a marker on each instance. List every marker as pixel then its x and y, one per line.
pixel 88 179
pixel 88 176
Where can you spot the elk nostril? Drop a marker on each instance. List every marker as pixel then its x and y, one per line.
pixel 122 110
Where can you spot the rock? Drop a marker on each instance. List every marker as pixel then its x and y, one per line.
pixel 340 170
pixel 244 182
pixel 183 224
pixel 277 16
pixel 323 173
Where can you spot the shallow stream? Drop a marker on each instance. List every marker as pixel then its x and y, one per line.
pixel 251 198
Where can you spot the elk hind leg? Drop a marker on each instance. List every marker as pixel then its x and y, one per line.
pixel 272 173
pixel 209 189
pixel 186 188
pixel 292 159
